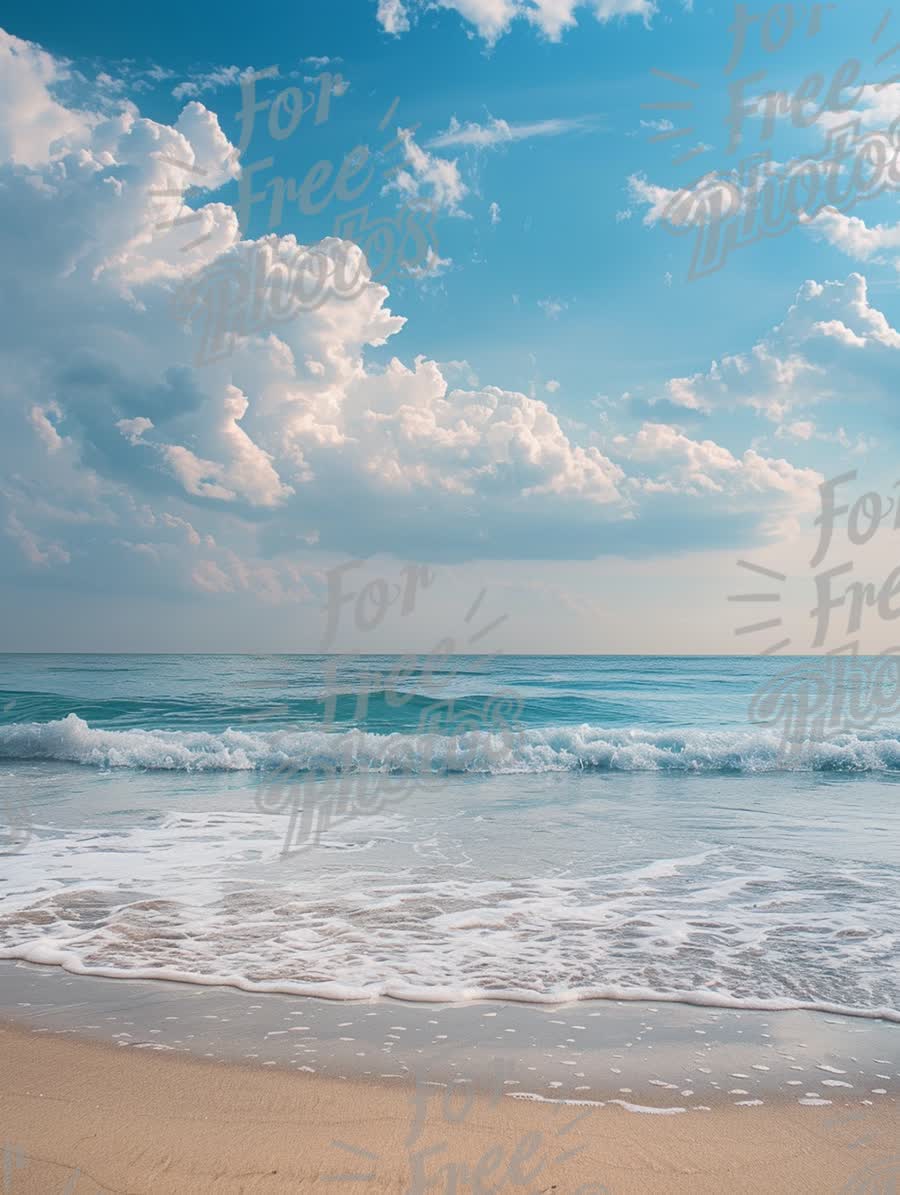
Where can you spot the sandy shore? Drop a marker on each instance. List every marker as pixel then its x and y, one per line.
pixel 81 1116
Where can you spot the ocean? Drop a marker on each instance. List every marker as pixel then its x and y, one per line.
pixel 530 828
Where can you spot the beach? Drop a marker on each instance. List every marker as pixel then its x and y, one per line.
pixel 167 1087
pixel 140 1122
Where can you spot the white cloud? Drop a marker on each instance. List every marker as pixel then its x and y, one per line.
pixel 392 16
pixel 500 132
pixel 804 430
pixel 192 535
pixel 337 87
pixel 241 468
pixel 494 210
pixel 801 429
pixel 802 361
pixel 721 198
pixel 857 239
pixel 44 421
pixel 877 107
pixel 133 429
pixel 427 177
pixel 701 467
pixel 493 18
pixel 296 438
pixel 208 576
pixel 212 80
pixel 31 120
pixel 41 553
pixel 717 198
pixel 432 267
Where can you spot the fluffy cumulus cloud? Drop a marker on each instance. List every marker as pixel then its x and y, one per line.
pixel 32 122
pixel 676 479
pixel 128 453
pixel 492 18
pixel 832 343
pixel 680 465
pixel 878 243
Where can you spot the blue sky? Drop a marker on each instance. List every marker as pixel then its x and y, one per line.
pixel 549 406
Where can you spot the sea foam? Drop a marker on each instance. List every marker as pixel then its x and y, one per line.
pixel 548 749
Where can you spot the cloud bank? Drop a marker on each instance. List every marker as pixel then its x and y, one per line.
pixel 127 463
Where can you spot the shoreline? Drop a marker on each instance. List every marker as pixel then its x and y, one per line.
pixel 646 1052
pixel 337 993
pixel 140 1121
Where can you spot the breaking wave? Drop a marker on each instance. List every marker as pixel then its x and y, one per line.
pixel 478 751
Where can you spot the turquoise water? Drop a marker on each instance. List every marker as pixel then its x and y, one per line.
pixel 212 693
pixel 540 828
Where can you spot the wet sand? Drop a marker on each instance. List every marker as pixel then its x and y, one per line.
pixel 83 1116
pixel 129 1085
pixel 663 1055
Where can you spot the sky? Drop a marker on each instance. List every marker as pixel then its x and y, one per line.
pixel 531 292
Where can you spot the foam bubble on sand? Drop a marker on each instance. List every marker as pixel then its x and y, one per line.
pixel 647 1109
pixel 639 1108
pixel 534 1097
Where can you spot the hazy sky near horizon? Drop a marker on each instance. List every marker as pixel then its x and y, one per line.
pixel 526 388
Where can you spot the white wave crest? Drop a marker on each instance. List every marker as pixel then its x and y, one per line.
pixel 545 749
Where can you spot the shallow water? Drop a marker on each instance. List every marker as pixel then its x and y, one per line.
pixel 658 850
